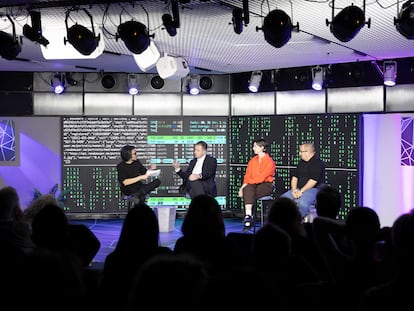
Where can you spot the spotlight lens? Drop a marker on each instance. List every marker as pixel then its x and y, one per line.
pixel 133 91
pixel 58 89
pixel 194 91
pixel 317 86
pixel 253 88
pixel 389 83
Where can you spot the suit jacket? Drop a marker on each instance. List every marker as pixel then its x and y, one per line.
pixel 208 172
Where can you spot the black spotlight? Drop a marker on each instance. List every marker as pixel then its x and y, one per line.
pixel 205 83
pixel 171 23
pixel 9 44
pixel 277 28
pixel 108 81
pixel 237 20
pixel 34 32
pixel 157 82
pixel 135 36
pixel 82 39
pixel 347 23
pixel 405 21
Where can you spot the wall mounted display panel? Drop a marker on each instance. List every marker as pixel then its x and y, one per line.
pixel 56 105
pixel 157 104
pixel 355 99
pixel 336 137
pixel 108 104
pixel 299 102
pixel 91 150
pixel 10 143
pixel 206 105
pixel 400 98
pixel 253 104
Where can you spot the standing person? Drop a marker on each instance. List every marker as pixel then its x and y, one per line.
pixel 258 179
pixel 307 178
pixel 199 178
pixel 132 174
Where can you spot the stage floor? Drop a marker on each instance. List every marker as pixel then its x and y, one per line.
pixel 108 230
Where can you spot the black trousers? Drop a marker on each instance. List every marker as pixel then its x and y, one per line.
pixel 254 191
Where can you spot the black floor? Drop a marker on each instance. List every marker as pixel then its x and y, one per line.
pixel 108 230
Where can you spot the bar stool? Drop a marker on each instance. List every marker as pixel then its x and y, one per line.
pixel 262 204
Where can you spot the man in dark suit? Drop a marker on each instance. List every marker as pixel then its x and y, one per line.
pixel 199 178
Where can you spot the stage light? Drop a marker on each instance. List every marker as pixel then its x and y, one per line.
pixel 58 83
pixel 193 85
pixel 81 38
pixel 205 83
pixel 405 21
pixel 9 44
pixel 347 23
pixel 147 59
pixel 277 28
pixel 34 32
pixel 108 81
pixel 237 20
pixel 317 78
pixel 174 68
pixel 239 16
pixel 133 84
pixel 390 73
pixel 135 36
pixel 254 82
pixel 157 82
pixel 171 23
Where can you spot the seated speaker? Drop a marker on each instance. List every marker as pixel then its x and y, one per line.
pixel 173 68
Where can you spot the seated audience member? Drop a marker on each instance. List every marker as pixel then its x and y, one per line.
pixel 204 234
pixel 137 243
pixel 13 231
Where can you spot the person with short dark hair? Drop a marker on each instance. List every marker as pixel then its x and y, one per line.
pixel 199 177
pixel 258 180
pixel 132 174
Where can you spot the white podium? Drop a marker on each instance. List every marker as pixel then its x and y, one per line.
pixel 166 217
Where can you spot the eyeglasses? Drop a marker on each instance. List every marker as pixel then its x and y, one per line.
pixel 303 151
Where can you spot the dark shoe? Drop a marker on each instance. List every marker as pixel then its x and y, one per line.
pixel 248 223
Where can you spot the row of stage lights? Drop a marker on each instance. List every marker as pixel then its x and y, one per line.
pixel 195 83
pixel 277 28
pixel 388 72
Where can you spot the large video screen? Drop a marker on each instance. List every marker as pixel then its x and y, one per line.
pixel 91 151
pixel 336 138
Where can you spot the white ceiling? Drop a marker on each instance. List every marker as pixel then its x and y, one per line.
pixel 206 38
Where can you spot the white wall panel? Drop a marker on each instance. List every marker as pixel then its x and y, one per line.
pixel 206 105
pixel 157 104
pixel 300 102
pixel 53 104
pixel 400 98
pixel 108 104
pixel 253 104
pixel 356 99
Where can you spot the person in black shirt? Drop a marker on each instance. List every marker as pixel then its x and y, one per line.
pixel 307 178
pixel 132 174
